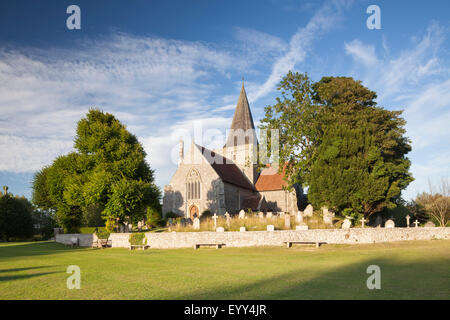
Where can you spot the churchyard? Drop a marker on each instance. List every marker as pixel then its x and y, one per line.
pixel 409 270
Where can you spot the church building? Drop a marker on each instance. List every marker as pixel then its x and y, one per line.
pixel 227 179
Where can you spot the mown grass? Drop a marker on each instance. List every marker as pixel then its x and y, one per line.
pixel 409 270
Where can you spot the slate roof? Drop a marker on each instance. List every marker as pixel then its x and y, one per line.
pixel 226 169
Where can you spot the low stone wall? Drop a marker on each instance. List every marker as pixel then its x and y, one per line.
pixel 85 240
pixel 276 238
pixel 166 240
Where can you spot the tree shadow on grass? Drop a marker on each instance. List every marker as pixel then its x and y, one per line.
pixel 25 276
pixel 23 269
pixel 34 249
pixel 399 280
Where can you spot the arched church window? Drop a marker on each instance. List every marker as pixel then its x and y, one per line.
pixel 193 185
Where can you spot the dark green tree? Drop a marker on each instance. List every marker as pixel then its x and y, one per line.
pixel 351 153
pixel 15 217
pixel 107 172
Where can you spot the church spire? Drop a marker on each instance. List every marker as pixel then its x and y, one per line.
pixel 242 119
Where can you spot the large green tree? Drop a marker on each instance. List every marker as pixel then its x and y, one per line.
pixel 350 152
pixel 106 173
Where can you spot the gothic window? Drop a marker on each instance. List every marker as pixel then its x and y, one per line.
pixel 193 185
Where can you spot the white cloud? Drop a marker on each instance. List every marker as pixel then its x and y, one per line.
pixel 362 52
pixel 300 43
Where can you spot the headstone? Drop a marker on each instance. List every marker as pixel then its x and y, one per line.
pixel 308 211
pixel 215 220
pixel 416 223
pixel 429 224
pixel 327 216
pixel 363 221
pixel 242 229
pixel 299 217
pixel 301 227
pixel 346 224
pixel 407 220
pixel 170 222
pixel 378 221
pixel 196 223
pixel 242 214
pixel 261 215
pixel 121 229
pixel 269 215
pixel 227 217
pixel 270 227
pixel 389 224
pixel 287 221
pixel 220 229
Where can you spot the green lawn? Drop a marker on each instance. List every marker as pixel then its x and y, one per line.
pixel 409 270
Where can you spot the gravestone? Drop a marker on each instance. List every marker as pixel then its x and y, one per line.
pixel 287 221
pixel 346 224
pixel 242 214
pixel 242 229
pixel 269 215
pixel 363 221
pixel 261 215
pixel 215 220
pixel 378 221
pixel 220 229
pixel 302 226
pixel 227 217
pixel 122 228
pixel 299 217
pixel 416 223
pixel 389 224
pixel 270 227
pixel 308 211
pixel 429 224
pixel 196 223
pixel 327 216
pixel 407 220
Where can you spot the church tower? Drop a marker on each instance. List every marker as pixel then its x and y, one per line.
pixel 242 144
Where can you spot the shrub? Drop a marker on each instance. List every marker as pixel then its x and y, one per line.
pixel 153 217
pixel 137 238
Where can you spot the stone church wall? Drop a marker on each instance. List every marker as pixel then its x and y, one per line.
pixel 281 200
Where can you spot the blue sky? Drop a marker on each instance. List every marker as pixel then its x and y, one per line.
pixel 167 67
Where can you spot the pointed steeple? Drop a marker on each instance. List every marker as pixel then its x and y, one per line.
pixel 242 118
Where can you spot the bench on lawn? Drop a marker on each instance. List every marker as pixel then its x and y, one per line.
pixel 102 243
pixel 73 242
pixel 139 246
pixel 317 243
pixel 217 245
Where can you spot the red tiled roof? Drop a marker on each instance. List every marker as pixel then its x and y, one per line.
pixel 227 170
pixel 270 179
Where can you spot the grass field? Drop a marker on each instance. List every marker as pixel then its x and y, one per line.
pixel 409 270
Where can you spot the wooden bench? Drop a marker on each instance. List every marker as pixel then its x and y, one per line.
pixel 102 243
pixel 290 243
pixel 139 246
pixel 73 242
pixel 217 245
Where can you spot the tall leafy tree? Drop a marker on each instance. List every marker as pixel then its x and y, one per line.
pixel 107 172
pixel 352 153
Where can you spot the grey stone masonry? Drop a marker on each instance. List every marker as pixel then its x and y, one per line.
pixel 167 240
